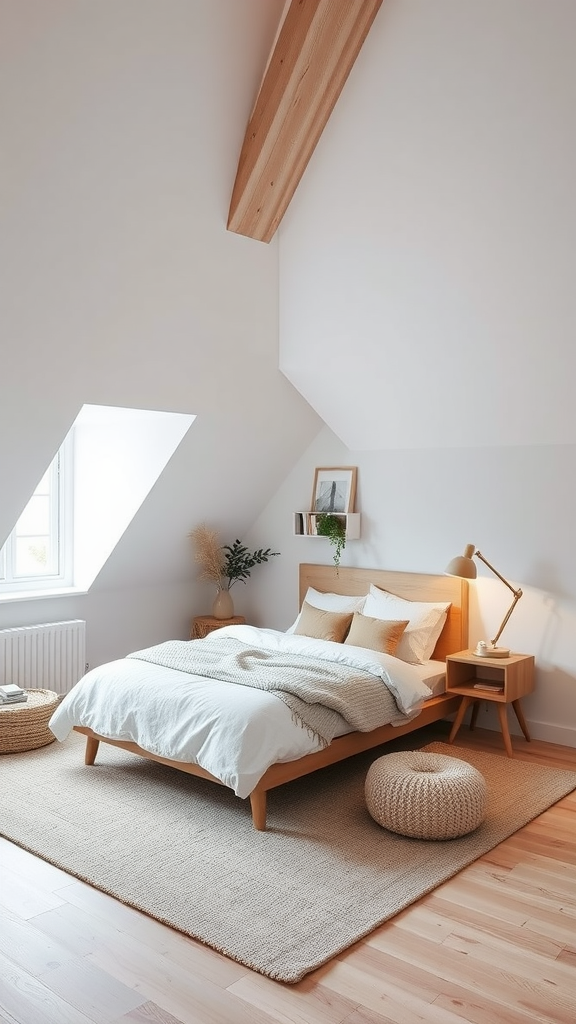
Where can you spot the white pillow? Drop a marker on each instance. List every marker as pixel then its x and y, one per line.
pixel 330 603
pixel 425 622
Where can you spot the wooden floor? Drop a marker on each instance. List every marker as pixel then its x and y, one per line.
pixel 494 945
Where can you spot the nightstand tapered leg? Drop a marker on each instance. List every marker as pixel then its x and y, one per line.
pixel 474 714
pixel 464 705
pixel 521 719
pixel 502 715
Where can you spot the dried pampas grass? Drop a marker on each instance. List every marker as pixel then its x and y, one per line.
pixel 209 554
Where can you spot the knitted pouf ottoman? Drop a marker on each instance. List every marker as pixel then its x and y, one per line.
pixel 425 796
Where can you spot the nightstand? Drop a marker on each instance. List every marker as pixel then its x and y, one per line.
pixel 204 624
pixel 502 681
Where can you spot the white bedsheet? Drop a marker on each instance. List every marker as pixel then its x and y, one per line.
pixel 433 674
pixel 233 732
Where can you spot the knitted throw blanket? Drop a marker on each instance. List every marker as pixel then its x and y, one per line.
pixel 316 690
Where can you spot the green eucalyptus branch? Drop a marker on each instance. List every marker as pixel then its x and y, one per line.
pixel 239 561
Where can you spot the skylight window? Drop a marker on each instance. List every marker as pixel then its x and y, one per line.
pixel 87 498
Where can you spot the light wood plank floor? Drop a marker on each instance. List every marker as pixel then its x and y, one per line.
pixel 494 945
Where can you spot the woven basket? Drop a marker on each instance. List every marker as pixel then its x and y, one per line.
pixel 25 726
pixel 425 795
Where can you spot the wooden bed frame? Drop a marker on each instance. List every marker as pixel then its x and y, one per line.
pixel 411 586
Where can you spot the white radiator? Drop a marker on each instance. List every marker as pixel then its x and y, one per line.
pixel 51 656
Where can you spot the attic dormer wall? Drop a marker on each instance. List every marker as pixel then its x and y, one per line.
pixel 428 308
pixel 121 124
pixel 427 258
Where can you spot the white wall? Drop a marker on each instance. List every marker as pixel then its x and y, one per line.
pixel 121 124
pixel 427 312
pixel 118 456
pixel 419 509
pixel 427 258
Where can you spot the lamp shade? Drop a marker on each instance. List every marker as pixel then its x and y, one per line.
pixel 463 565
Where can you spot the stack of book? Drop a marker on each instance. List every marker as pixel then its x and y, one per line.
pixel 10 693
pixel 309 524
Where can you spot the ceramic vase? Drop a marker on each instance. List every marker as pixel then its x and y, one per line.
pixel 223 607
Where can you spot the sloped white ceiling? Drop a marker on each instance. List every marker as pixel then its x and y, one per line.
pixel 121 124
pixel 427 259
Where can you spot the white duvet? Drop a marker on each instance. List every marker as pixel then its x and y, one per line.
pixel 233 732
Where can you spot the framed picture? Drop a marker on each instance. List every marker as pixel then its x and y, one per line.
pixel 334 489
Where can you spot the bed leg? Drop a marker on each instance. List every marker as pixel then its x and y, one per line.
pixel 258 804
pixel 92 745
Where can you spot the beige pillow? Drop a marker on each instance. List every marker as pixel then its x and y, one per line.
pixel 323 625
pixel 375 634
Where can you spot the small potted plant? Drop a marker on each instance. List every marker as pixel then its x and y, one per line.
pixel 334 528
pixel 225 565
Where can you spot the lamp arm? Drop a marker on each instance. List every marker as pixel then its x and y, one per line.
pixel 496 573
pixel 517 596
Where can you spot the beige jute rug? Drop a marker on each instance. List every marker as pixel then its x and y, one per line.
pixel 282 902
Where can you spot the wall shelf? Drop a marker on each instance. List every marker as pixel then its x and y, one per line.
pixel 304 524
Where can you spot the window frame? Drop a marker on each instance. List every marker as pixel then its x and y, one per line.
pixel 61 541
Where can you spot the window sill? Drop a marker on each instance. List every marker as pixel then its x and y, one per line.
pixel 34 595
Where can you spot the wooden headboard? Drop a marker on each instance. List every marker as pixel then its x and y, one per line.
pixel 412 586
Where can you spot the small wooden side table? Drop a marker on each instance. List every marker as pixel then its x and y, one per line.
pixel 204 624
pixel 502 681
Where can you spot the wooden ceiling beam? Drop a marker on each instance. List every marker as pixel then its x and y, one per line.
pixel 316 47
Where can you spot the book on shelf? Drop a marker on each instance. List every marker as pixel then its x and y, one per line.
pixel 493 687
